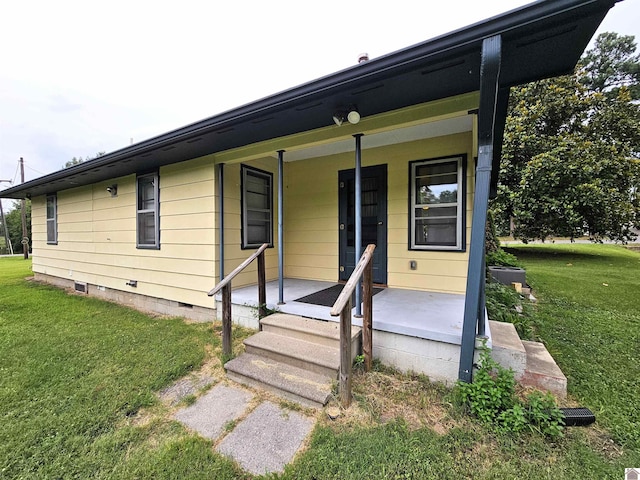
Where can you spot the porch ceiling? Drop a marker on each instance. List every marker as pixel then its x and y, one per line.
pixel 416 132
pixel 540 40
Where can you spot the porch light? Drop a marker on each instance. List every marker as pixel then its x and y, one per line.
pixel 351 114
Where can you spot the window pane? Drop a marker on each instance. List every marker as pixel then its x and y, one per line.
pixel 258 234
pixel 440 189
pixel 146 228
pixel 437 168
pixel 426 212
pixel 51 230
pixel 51 207
pixel 436 216
pixel 146 193
pixel 436 231
pixel 256 197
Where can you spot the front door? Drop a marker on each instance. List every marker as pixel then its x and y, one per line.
pixel 374 219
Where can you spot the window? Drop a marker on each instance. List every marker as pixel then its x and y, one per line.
pixel 257 207
pixel 148 211
pixel 52 219
pixel 437 204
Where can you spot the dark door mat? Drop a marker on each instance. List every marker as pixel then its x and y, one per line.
pixel 328 296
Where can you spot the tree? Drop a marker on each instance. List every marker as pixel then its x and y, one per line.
pixel 77 160
pixel 571 146
pixel 14 224
pixel 611 64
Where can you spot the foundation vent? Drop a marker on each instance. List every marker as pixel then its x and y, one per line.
pixel 81 287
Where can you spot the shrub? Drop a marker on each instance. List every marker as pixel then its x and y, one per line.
pixel 492 399
pixel 501 258
pixel 504 304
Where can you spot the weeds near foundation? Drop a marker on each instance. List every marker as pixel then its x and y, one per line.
pixel 492 399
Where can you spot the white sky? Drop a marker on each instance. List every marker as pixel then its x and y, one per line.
pixel 79 77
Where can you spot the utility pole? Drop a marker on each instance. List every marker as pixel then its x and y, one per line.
pixel 25 239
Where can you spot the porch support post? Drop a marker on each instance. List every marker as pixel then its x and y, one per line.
pixel 489 89
pixel 358 218
pixel 221 220
pixel 280 227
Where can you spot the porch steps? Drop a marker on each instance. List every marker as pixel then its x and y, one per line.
pixel 293 383
pixel 542 371
pixel 531 363
pixel 295 357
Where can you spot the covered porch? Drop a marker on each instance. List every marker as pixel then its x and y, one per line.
pixel 413 330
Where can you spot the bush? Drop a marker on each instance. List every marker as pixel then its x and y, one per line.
pixel 501 258
pixel 504 304
pixel 492 399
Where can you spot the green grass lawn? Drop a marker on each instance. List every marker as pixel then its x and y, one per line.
pixel 590 321
pixel 79 377
pixel 74 371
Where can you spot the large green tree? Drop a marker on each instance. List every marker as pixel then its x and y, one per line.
pixel 570 162
pixel 14 224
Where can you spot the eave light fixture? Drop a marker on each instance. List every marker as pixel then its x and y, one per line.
pixel 351 114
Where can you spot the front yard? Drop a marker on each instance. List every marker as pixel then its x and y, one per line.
pixel 79 382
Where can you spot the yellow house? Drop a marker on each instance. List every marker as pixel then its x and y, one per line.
pixel 416 135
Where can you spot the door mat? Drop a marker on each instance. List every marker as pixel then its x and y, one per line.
pixel 328 296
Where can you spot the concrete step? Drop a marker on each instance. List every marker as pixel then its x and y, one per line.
pixel 310 330
pixel 301 386
pixel 507 348
pixel 542 372
pixel 295 352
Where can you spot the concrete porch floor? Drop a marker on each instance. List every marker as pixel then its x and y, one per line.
pixel 427 315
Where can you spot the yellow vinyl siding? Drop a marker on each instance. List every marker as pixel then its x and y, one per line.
pixel 97 236
pixel 311 216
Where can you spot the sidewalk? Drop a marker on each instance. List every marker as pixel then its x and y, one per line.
pixel 262 439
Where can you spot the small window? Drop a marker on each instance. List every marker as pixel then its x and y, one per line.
pixel 436 205
pixel 148 211
pixel 52 219
pixel 257 207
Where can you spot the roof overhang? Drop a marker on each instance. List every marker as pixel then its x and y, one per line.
pixel 539 40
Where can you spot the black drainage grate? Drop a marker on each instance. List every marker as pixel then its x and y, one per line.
pixel 578 416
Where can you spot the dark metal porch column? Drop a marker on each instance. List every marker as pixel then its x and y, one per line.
pixel 489 88
pixel 358 217
pixel 280 227
pixel 221 220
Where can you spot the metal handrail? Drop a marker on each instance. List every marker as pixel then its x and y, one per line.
pixel 342 307
pixel 225 287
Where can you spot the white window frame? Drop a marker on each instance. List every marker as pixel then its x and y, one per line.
pixel 268 177
pixel 459 204
pixel 52 222
pixel 155 210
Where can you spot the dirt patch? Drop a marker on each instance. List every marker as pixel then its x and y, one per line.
pixel 381 397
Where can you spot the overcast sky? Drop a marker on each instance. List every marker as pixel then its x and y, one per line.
pixel 82 77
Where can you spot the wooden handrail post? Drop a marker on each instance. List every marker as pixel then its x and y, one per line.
pixel 262 289
pixel 225 287
pixel 226 320
pixel 345 355
pixel 367 320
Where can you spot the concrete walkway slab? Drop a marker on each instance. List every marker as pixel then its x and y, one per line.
pixel 267 439
pixel 211 412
